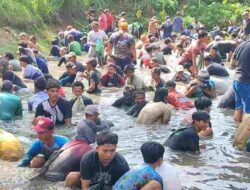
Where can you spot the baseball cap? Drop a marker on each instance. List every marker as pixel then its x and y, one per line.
pixel 44 124
pixel 123 25
pixel 71 54
pixel 203 74
pixel 180 68
pixel 91 109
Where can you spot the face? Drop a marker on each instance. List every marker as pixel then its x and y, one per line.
pixel 139 98
pixel 106 153
pixel 130 74
pixel 95 27
pixel 53 93
pixel 44 136
pixel 153 64
pixel 155 76
pixel 212 52
pixel 62 52
pixel 110 71
pixel 72 59
pixel 77 91
pixel 110 60
pixel 202 125
pixel 23 64
pixel 23 38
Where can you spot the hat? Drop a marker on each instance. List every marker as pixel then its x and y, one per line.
pixel 71 54
pixel 217 38
pixel 245 13
pixel 44 124
pixel 91 109
pixel 123 14
pixel 123 25
pixel 203 74
pixel 180 68
pixel 92 62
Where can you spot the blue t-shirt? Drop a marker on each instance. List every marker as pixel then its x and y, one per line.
pixel 41 63
pixel 39 148
pixel 31 72
pixel 137 178
pixel 177 25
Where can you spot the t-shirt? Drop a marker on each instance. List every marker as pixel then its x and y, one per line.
pixel 115 81
pixel 122 44
pixel 137 178
pixel 103 21
pixel 36 99
pixel 217 70
pixel 41 63
pixel 15 64
pixel 86 101
pixel 10 106
pixel 137 82
pixel 92 169
pixel 94 78
pixel 75 47
pixel 167 29
pixel 160 84
pixel 57 113
pixel 177 24
pixel 9 75
pixel 32 72
pixel 79 66
pixel 179 101
pixel 199 91
pixel 228 99
pixel 167 50
pixel 38 147
pixel 225 47
pixel 247 27
pixel 242 53
pixel 194 49
pixel 67 79
pixel 10 147
pixel 185 139
pixel 216 59
pixel 94 36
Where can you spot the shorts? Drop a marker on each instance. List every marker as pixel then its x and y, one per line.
pixel 186 63
pixel 242 96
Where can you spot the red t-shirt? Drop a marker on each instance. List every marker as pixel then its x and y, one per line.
pixel 103 21
pixel 194 49
pixel 110 20
pixel 179 101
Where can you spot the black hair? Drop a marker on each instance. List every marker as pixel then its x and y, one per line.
pixel 24 58
pixel 167 41
pixel 200 116
pixel 23 45
pixel 152 152
pixel 40 83
pixel 170 84
pixel 148 48
pixel 48 76
pixel 70 38
pixel 52 83
pixel 112 57
pixel 202 103
pixel 234 35
pixel 129 67
pixel 202 34
pixel 207 58
pixel 9 56
pixel 22 50
pixel 78 83
pixel 106 137
pixel 214 48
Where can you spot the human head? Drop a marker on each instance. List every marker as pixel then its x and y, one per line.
pixel 111 59
pixel 139 96
pixel 123 14
pixel 92 113
pixel 123 26
pixel 24 60
pixel 9 56
pixel 160 95
pixel 144 38
pixel 70 38
pixel 180 70
pixel 23 36
pixel 44 127
pixel 152 153
pixel 91 64
pixel 111 69
pixel 95 25
pixel 202 35
pixel 167 41
pixel 52 87
pixel 154 62
pixel 149 48
pixel 213 51
pixel 129 70
pixel 7 86
pixel 4 65
pixel 69 27
pixel 203 75
pixel 106 146
pixel 32 39
pixel 128 94
pixel 245 15
pixel 40 84
pixel 207 60
pixel 77 88
pixel 72 57
pixel 201 120
pixel 63 51
pixel 203 103
pixel 170 85
pixel 155 73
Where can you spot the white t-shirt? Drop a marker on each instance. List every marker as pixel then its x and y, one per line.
pixel 93 36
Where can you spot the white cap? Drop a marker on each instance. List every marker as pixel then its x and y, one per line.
pixel 180 68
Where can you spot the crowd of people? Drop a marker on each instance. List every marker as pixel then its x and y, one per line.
pixel 115 59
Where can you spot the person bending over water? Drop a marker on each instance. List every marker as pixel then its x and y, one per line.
pixel 45 145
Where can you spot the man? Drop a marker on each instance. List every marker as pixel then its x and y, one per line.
pixel 226 48
pixel 180 75
pixel 69 76
pixel 139 103
pixel 45 145
pixel 144 177
pixel 103 21
pixel 178 23
pixel 111 78
pixel 242 81
pixel 10 104
pixel 177 99
pixel 55 107
pixel 167 28
pixel 73 46
pixel 40 94
pixel 215 56
pixel 214 68
pixel 73 59
pixel 79 101
pixel 157 81
pixel 158 112
pixel 132 79
pixel 187 139
pixel 246 25
pixel 155 62
pixel 196 24
pixel 103 167
pixel 124 46
pixel 96 37
pixel 153 27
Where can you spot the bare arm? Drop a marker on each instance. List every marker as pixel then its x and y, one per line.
pixel 190 90
pixel 133 52
pixel 109 49
pixel 67 122
pixel 195 71
pixel 85 184
pixel 211 93
pixel 91 87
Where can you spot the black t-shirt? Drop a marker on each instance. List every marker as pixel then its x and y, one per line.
pixel 242 53
pixel 94 77
pixel 57 113
pixel 217 70
pixel 228 100
pixel 225 47
pixel 9 75
pixel 185 139
pixel 91 168
pixel 216 59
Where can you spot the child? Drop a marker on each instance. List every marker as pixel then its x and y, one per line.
pixel 167 49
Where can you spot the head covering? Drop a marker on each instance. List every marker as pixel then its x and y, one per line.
pixel 7 86
pixel 71 54
pixel 91 109
pixel 44 124
pixel 203 75
pixel 180 68
pixel 123 14
pixel 217 38
pixel 123 25
pixel 160 94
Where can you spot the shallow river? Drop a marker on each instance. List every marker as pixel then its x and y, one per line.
pixel 219 167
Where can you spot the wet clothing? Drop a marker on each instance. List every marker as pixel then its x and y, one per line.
pixel 160 84
pixel 55 51
pixel 167 28
pixel 15 64
pixel 38 147
pixel 42 65
pixel 216 59
pixel 11 76
pixel 217 70
pixel 179 101
pixel 10 105
pixel 57 113
pixel 124 103
pixel 86 101
pixel 94 78
pixel 136 108
pixel 137 178
pixel 199 91
pixel 67 79
pixel 137 82
pixel 31 72
pixel 184 78
pixel 36 99
pixel 115 81
pixel 228 100
pixel 225 47
pixel 66 160
pixel 92 169
pixel 94 37
pixel 10 147
pixel 185 139
pixel 75 47
pixel 166 50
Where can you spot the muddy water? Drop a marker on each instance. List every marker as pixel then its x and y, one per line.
pixel 219 167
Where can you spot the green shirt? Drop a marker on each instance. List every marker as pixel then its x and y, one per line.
pixel 10 105
pixel 75 47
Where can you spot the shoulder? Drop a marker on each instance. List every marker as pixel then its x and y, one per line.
pixel 89 156
pixel 60 138
pixel 120 160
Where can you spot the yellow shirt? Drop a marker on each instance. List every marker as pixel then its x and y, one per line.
pixel 10 148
